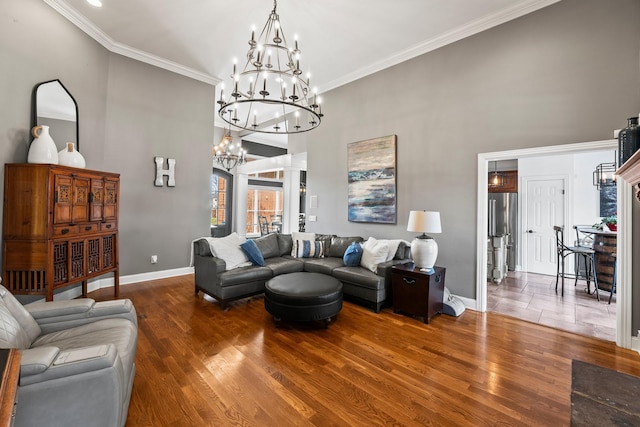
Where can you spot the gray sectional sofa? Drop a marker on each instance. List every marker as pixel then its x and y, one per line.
pixel 359 284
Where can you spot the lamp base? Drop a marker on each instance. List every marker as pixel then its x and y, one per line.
pixel 424 253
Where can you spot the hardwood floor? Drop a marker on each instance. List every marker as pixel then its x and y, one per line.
pixel 200 366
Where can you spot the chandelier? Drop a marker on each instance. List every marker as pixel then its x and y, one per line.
pixel 229 155
pixel 269 94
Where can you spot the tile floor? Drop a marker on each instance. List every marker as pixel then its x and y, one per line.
pixel 532 297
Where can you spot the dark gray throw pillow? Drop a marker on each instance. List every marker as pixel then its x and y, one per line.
pixel 268 245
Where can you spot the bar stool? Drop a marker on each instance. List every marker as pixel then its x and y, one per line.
pixel 563 251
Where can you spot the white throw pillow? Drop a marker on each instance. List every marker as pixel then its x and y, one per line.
pixel 228 249
pixel 393 247
pixel 373 253
pixel 296 235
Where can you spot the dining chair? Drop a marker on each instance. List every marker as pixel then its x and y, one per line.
pixel 264 225
pixel 563 251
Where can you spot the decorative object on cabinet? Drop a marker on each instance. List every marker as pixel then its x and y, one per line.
pixel 372 180
pixel 630 172
pixel 42 149
pixel 162 172
pixel 424 249
pixel 269 94
pixel 628 140
pixel 60 227
pixel 417 292
pixel 71 157
pixel 53 105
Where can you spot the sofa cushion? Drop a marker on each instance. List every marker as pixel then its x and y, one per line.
pixel 322 265
pixel 326 241
pixel 373 253
pixel 285 242
pixel 280 265
pixel 394 246
pixel 252 252
pixel 228 249
pixel 243 275
pixel 340 244
pixel 268 245
pixel 352 255
pixel 360 276
pixel 307 249
pixel 120 332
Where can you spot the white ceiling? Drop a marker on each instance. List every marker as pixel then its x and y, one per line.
pixel 341 40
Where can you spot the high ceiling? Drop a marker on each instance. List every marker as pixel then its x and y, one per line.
pixel 341 40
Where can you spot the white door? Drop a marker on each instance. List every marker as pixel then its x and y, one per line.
pixel 545 208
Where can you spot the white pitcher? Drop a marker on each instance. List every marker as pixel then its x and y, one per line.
pixel 43 149
pixel 71 157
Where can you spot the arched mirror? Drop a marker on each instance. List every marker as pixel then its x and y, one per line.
pixel 52 105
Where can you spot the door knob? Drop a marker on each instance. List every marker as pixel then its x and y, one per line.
pixel 529 231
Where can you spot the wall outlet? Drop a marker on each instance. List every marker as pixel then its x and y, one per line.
pixel 313 218
pixel 154 259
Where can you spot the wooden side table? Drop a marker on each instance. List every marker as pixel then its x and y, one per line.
pixel 417 292
pixel 10 374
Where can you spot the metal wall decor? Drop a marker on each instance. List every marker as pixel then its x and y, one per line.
pixel 161 172
pixel 372 180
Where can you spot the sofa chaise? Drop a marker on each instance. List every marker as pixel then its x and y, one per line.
pixel 360 284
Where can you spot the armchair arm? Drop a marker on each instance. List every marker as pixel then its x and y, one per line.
pixel 49 363
pixel 57 315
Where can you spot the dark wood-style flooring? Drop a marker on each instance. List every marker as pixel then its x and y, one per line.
pixel 200 366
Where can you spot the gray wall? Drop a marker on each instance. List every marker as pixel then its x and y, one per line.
pixel 129 112
pixel 565 74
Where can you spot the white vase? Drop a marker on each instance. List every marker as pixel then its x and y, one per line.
pixel 71 157
pixel 42 149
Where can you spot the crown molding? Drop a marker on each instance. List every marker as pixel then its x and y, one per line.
pixel 482 24
pixel 121 49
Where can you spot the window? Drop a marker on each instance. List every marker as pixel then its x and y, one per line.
pixel 267 202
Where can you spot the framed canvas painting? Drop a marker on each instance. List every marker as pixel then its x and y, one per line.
pixel 372 180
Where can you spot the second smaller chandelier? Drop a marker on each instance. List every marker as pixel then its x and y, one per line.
pixel 229 155
pixel 269 94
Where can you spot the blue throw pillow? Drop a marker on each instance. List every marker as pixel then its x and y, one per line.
pixel 352 255
pixel 250 248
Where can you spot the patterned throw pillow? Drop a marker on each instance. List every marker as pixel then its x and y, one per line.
pixel 307 249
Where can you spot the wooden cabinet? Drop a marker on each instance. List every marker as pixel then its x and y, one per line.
pixel 417 292
pixel 509 185
pixel 60 227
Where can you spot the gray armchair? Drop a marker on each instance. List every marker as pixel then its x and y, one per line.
pixel 77 363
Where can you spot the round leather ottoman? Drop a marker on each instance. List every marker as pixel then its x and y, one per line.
pixel 303 297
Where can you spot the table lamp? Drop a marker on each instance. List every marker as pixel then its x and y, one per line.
pixel 424 249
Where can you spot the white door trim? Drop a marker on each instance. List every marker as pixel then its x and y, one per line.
pixel 567 213
pixel 623 314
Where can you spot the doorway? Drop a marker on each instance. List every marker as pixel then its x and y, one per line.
pixel 623 314
pixel 544 207
pixel 221 197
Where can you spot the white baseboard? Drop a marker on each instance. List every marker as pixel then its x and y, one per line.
pixel 107 282
pixel 468 302
pixel 635 343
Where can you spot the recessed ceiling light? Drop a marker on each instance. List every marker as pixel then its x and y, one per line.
pixel 96 3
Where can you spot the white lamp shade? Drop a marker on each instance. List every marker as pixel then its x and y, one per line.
pixel 424 252
pixel 424 222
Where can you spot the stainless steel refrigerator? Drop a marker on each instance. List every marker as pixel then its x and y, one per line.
pixel 503 237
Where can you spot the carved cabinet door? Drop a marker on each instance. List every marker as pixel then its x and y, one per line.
pixel 110 204
pixel 62 199
pixel 97 200
pixel 80 200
